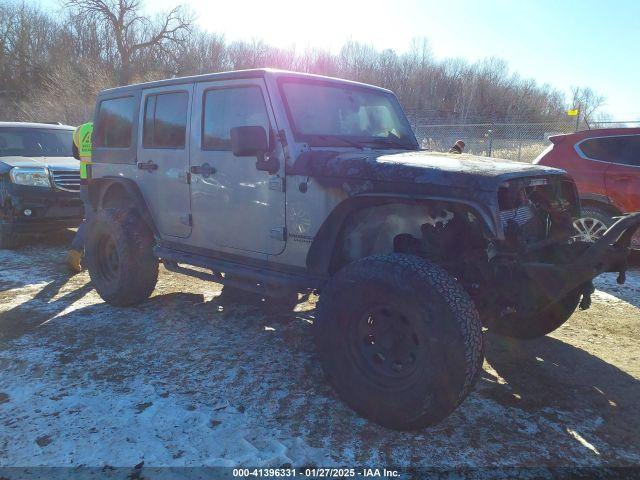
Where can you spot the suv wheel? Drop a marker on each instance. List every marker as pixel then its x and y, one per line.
pixel 8 239
pixel 400 340
pixel 592 223
pixel 539 324
pixel 119 257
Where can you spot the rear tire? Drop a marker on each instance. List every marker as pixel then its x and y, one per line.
pixel 594 220
pixel 119 257
pixel 539 324
pixel 400 340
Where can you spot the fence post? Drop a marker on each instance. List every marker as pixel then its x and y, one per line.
pixel 520 150
pixel 490 135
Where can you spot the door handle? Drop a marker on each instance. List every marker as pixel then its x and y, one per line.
pixel 148 166
pixel 205 170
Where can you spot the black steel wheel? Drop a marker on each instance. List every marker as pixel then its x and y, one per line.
pixel 119 257
pixel 399 339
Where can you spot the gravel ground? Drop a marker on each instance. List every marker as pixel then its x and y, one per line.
pixel 190 379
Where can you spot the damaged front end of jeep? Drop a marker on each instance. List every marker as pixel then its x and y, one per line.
pixel 534 259
pixel 504 230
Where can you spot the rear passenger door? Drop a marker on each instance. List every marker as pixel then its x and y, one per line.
pixel 622 177
pixel 235 206
pixel 163 157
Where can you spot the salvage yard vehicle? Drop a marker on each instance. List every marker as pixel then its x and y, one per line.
pixel 39 181
pixel 278 183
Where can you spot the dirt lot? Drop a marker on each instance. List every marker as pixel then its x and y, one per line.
pixel 191 379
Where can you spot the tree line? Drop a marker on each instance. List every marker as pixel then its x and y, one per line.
pixel 52 66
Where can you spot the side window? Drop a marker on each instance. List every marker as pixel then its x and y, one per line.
pixel 114 125
pixel 624 149
pixel 165 120
pixel 227 108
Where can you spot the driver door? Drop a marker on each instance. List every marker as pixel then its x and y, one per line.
pixel 235 206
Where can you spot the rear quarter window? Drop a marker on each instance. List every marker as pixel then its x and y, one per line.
pixel 620 149
pixel 114 123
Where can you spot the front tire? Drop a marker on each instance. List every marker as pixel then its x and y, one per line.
pixel 119 257
pixel 400 340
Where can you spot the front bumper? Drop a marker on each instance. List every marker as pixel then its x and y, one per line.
pixel 39 209
pixel 612 253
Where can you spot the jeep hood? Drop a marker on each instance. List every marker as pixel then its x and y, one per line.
pixel 7 163
pixel 421 167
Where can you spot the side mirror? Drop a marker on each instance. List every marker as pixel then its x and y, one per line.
pixel 249 141
pixel 252 141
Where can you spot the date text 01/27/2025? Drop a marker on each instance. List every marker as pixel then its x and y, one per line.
pixel 315 472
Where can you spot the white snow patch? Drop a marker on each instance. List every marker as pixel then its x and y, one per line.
pixel 582 441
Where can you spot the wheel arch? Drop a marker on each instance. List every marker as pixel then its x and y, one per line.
pixel 397 215
pixel 600 201
pixel 110 192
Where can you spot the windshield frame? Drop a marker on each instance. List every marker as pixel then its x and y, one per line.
pixel 22 129
pixel 329 140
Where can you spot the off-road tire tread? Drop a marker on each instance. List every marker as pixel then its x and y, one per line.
pixel 457 299
pixel 139 266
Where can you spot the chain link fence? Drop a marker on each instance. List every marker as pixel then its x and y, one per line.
pixel 513 141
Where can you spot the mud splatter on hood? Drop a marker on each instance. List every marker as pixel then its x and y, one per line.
pixel 444 169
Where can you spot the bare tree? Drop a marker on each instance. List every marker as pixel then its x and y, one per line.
pixel 49 63
pixel 133 33
pixel 586 101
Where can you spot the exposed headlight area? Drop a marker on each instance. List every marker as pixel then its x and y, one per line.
pixel 537 209
pixel 30 176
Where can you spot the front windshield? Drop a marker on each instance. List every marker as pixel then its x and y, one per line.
pixel 333 114
pixel 35 142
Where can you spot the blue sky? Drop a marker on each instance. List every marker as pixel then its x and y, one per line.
pixel 564 43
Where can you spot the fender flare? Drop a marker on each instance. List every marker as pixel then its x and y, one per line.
pixel 99 187
pixel 322 247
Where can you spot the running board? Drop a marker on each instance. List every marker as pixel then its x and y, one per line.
pixel 261 278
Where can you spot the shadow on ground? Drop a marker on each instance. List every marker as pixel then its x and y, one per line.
pixel 226 351
pixel 547 374
pixel 38 310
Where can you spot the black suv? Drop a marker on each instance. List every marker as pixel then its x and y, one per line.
pixel 39 181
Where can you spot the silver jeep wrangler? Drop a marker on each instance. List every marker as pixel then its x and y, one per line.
pixel 280 183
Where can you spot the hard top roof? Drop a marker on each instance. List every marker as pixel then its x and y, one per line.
pixel 233 75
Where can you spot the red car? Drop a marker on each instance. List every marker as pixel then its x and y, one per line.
pixel 605 164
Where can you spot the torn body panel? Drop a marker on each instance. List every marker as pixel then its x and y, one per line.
pixel 499 234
